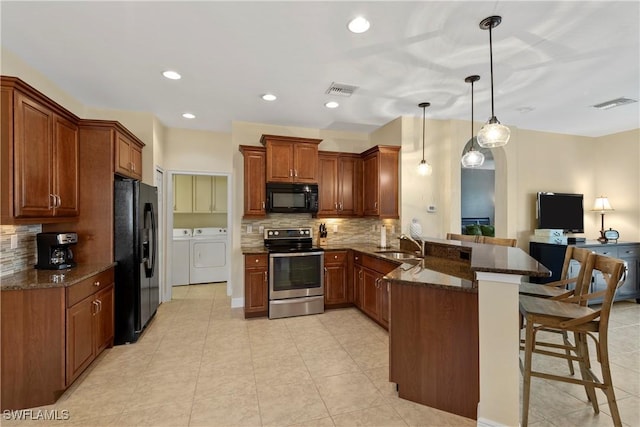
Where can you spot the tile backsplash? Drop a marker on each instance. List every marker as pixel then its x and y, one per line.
pixel 24 256
pixel 349 230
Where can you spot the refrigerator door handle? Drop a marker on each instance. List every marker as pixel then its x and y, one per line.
pixel 153 239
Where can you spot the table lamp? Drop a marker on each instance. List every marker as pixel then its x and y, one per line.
pixel 602 205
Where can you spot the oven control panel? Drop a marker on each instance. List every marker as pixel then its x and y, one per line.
pixel 287 233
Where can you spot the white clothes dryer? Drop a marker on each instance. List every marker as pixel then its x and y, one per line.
pixel 208 255
pixel 180 263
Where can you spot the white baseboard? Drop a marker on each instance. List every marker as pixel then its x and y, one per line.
pixel 483 422
pixel 237 302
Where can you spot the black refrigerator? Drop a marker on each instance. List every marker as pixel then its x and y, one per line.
pixel 136 254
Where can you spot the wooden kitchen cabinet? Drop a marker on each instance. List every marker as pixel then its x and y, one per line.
pixel 380 176
pixel 40 157
pixel 339 184
pixel 373 290
pixel 90 322
pixel 128 155
pixel 336 279
pixel 256 286
pixel 255 192
pixel 291 159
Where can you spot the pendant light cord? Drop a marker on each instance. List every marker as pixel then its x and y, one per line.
pixel 471 115
pixel 424 109
pixel 491 65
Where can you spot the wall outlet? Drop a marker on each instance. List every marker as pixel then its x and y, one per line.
pixel 261 229
pixel 14 241
pixel 335 228
pixel 249 229
pixel 393 229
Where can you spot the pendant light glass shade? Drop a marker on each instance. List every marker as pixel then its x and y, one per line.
pixel 493 134
pixel 424 168
pixel 472 158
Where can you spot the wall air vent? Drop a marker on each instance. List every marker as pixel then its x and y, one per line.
pixel 341 89
pixel 614 103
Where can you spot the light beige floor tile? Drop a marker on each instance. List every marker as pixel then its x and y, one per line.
pixel 321 422
pixel 280 370
pixel 415 414
pixel 383 415
pixel 229 383
pixel 175 414
pixel 226 410
pixel 629 410
pixel 329 362
pixel 583 418
pixel 348 392
pixel 283 405
pixel 380 378
pixel 155 393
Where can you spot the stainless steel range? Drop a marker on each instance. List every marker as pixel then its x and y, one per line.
pixel 296 273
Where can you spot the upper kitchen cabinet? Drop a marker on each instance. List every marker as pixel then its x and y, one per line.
pixel 39 156
pixel 340 184
pixel 291 159
pixel 380 190
pixel 209 194
pixel 255 192
pixel 128 156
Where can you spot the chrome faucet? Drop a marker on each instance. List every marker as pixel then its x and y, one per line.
pixel 419 245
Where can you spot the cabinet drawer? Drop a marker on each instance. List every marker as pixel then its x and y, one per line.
pixel 610 251
pixel 628 251
pixel 379 265
pixel 252 261
pixel 89 286
pixel 335 257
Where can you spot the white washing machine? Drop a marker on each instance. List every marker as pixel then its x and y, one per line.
pixel 208 255
pixel 180 263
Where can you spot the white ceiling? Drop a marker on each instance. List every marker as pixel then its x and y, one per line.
pixel 552 60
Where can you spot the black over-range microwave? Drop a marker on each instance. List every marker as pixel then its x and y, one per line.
pixel 292 198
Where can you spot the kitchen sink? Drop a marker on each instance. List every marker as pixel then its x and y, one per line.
pixel 399 255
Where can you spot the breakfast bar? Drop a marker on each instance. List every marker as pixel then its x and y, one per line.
pixel 453 330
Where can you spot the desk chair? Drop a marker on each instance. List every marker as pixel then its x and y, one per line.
pixel 572 315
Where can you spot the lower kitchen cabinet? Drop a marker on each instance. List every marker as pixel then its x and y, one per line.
pixel 336 279
pixel 372 292
pixel 256 286
pixel 50 335
pixel 89 322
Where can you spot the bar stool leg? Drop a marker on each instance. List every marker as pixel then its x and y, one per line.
pixel 585 365
pixel 606 379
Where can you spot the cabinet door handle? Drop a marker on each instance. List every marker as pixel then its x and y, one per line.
pixel 290 172
pixel 52 201
pixel 95 305
pixel 96 283
pixel 99 306
pixel 263 206
pixel 265 277
pixel 375 205
pixel 325 269
pixel 341 205
pixel 295 172
pixel 335 205
pixel 360 274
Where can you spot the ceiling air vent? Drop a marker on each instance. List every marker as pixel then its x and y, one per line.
pixel 341 89
pixel 614 103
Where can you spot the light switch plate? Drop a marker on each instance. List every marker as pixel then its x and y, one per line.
pixel 14 241
pixel 249 229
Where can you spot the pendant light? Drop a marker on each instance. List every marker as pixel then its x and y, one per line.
pixel 424 168
pixel 493 134
pixel 472 158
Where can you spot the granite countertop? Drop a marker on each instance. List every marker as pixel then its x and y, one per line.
pixel 40 279
pixel 446 273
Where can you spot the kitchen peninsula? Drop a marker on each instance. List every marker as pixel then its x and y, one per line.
pixel 452 318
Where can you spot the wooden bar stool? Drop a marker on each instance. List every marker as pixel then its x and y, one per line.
pixel 463 237
pixel 500 241
pixel 572 315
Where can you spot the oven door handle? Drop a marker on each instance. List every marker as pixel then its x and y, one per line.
pixel 294 254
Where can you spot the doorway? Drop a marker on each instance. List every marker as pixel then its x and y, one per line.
pixel 477 191
pixel 199 221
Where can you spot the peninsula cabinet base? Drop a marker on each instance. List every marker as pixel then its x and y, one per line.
pixel 433 347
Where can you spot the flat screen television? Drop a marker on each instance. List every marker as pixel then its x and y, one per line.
pixel 560 211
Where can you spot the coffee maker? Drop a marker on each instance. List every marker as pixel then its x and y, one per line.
pixel 54 250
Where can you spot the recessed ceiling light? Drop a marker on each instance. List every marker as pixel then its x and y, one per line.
pixel 358 25
pixel 269 97
pixel 189 115
pixel 173 75
pixel 332 104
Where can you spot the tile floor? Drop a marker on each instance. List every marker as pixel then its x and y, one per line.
pixel 200 363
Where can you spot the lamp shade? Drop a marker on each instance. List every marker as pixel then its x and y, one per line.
pixel 602 204
pixel 472 159
pixel 493 134
pixel 424 168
